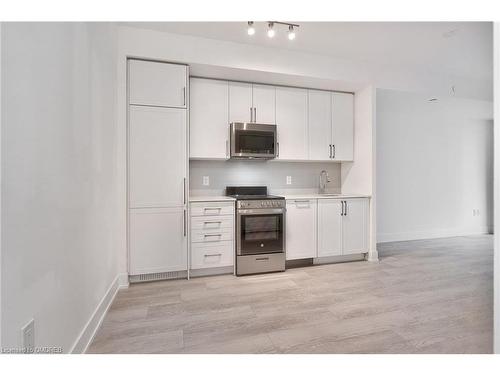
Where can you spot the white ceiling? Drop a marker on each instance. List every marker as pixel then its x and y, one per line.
pixel 463 49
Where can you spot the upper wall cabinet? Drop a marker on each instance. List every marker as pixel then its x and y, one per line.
pixel 252 103
pixel 291 120
pixel 209 129
pixel 240 102
pixel 264 104
pixel 342 126
pixel 157 84
pixel 320 125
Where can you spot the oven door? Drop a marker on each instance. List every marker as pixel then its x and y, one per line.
pixel 253 141
pixel 260 231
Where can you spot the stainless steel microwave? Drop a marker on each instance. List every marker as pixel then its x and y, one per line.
pixel 253 141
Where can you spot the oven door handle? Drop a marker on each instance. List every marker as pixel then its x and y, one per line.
pixel 261 211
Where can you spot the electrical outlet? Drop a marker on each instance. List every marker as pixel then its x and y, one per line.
pixel 28 332
pixel 288 180
pixel 206 180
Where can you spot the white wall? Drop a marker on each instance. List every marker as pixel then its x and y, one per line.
pixel 496 64
pixel 59 175
pixel 434 166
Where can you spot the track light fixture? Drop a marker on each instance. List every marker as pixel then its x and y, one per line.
pixel 271 31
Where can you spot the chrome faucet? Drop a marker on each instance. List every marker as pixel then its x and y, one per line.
pixel 323 180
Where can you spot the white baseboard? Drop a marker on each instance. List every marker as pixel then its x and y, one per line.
pixel 439 233
pixel 87 335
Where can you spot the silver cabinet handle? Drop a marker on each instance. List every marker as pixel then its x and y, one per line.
pixel 212 208
pixel 251 114
pixel 254 114
pixel 333 157
pixel 266 258
pixel 213 255
pixel 227 148
pixel 330 151
pixel 183 96
pixel 277 149
pixel 184 190
pixel 342 209
pixel 301 200
pixel 184 223
pixel 212 222
pixel 345 210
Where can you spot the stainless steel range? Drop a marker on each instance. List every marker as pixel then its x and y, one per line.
pixel 260 230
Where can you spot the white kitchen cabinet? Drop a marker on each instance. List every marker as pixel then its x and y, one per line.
pixel 343 126
pixel 209 119
pixel 212 234
pixel 320 125
pixel 264 104
pixel 329 227
pixel 301 229
pixel 355 226
pixel 240 102
pixel 291 120
pixel 157 240
pixel 157 157
pixel 157 84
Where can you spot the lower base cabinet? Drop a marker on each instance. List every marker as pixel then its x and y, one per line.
pixel 326 227
pixel 301 229
pixel 157 241
pixel 212 235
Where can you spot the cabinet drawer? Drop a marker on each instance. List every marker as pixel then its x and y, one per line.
pixel 211 222
pixel 212 208
pixel 212 235
pixel 213 255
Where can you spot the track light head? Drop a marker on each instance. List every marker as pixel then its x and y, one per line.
pixel 270 30
pixel 291 33
pixel 251 28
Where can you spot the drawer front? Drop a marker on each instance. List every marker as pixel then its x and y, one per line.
pixel 213 255
pixel 211 222
pixel 212 208
pixel 212 235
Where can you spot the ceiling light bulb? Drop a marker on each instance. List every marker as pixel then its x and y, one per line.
pixel 291 33
pixel 251 29
pixel 270 31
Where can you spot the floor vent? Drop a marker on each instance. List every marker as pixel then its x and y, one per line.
pixel 157 276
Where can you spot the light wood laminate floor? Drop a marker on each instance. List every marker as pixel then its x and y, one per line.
pixel 426 296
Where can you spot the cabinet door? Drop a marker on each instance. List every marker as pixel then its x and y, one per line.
pixel 329 227
pixel 209 125
pixel 157 157
pixel 157 240
pixel 320 124
pixel 156 83
pixel 301 229
pixel 355 226
pixel 343 126
pixel 264 103
pixel 291 120
pixel 240 102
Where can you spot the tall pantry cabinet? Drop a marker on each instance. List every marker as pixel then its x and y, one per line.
pixel 157 169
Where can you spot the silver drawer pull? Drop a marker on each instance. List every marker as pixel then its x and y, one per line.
pixel 213 255
pixel 266 258
pixel 212 222
pixel 212 208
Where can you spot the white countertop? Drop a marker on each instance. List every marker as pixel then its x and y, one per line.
pixel 324 196
pixel 210 198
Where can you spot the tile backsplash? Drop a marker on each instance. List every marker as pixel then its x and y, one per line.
pixel 273 174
